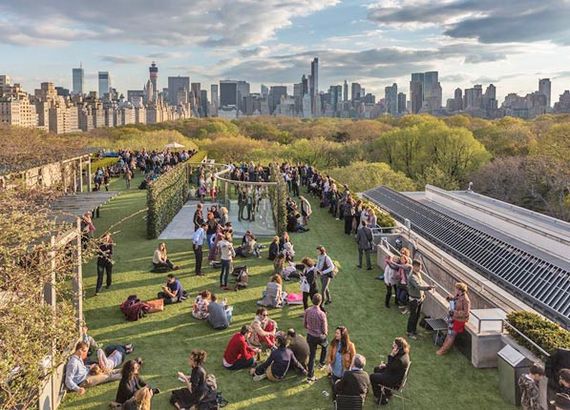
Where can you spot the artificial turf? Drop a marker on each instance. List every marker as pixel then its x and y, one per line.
pixel 164 339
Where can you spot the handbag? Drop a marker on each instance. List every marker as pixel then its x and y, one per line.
pixel 156 305
pixel 304 284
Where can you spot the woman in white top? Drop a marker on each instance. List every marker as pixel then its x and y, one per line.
pixel 325 267
pixel 160 259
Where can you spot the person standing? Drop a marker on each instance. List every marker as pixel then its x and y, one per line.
pixel 459 310
pixel 198 217
pixel 241 202
pixel 104 262
pixel 325 267
pixel 227 253
pixel 308 281
pixel 315 321
pixel 365 244
pixel 348 213
pixel 128 177
pixel 416 292
pixel 198 239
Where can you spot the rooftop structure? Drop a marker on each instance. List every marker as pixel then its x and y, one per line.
pixel 523 252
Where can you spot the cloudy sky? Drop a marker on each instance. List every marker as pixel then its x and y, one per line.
pixel 511 43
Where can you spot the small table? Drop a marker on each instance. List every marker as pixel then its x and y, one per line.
pixel 438 326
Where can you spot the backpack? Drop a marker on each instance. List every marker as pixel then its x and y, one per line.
pixel 131 300
pixel 212 399
pixel 134 309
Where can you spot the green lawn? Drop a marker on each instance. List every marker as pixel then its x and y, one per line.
pixel 165 339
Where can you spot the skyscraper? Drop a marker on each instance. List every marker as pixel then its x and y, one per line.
pixel 275 94
pixel 153 75
pixel 215 102
pixel 204 103
pixel 356 91
pixel 432 94
pixel 417 92
pixel 314 86
pixel 335 92
pixel 401 103
pixel 242 92
pixel 175 85
pixel 458 100
pixel 195 96
pixel 391 99
pixel 345 91
pixel 78 76
pixel 544 89
pixel 228 93
pixel 104 83
pixel 264 90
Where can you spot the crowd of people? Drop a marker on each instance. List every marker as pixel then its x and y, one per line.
pixel 268 351
pixel 152 164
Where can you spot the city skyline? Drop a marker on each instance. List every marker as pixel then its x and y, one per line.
pixel 509 44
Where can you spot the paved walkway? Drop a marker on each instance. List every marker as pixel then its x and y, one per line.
pixel 182 226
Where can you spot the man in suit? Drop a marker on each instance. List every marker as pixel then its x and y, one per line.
pixel 354 382
pixel 365 244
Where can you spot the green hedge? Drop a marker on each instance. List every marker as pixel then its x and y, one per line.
pixel 103 163
pixel 548 335
pixel 278 197
pixel 165 197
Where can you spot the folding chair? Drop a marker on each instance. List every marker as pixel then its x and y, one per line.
pixel 344 402
pixel 397 392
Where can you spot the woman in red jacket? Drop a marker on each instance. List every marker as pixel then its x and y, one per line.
pixel 238 354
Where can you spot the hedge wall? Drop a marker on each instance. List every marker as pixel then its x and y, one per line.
pixel 165 198
pixel 278 197
pixel 544 333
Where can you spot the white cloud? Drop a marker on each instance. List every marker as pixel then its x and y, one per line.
pixel 209 23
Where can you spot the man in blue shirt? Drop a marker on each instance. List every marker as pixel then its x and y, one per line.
pixel 77 376
pixel 172 292
pixel 197 243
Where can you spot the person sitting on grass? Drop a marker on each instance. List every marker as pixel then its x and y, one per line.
pixel 279 264
pixel 299 346
pixel 262 330
pixel 172 291
pixel 160 260
pixel 200 306
pixel 273 249
pixel 196 388
pixel 391 374
pixel 113 356
pixel 219 313
pixel 79 376
pixel 354 382
pixel 239 354
pixel 131 383
pixel 278 363
pixel 273 293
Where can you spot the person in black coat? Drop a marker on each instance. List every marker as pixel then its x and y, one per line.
pixel 273 248
pixel 131 381
pixel 354 382
pixel 310 275
pixel 391 374
pixel 104 262
pixel 298 344
pixel 196 388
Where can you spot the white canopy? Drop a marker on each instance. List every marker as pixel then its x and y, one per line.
pixel 174 145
